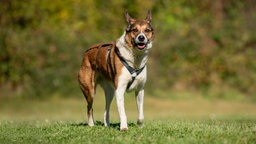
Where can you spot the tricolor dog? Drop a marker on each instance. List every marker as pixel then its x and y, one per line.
pixel 118 67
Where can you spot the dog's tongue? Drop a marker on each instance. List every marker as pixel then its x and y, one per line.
pixel 141 46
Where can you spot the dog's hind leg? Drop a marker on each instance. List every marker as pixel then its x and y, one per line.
pixel 87 85
pixel 90 111
pixel 109 94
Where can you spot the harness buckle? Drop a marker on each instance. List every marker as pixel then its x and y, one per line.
pixel 134 74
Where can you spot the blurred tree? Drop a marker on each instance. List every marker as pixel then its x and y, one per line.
pixel 200 45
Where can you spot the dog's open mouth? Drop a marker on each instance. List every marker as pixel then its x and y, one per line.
pixel 141 46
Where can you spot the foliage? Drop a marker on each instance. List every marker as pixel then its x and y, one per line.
pixel 204 46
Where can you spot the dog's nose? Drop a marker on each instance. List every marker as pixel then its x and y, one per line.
pixel 141 38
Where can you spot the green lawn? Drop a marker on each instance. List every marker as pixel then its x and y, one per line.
pixel 164 131
pixel 166 121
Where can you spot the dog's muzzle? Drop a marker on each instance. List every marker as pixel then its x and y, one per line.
pixel 141 41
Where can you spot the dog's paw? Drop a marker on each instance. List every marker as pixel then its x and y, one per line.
pixel 140 123
pixel 91 124
pixel 123 129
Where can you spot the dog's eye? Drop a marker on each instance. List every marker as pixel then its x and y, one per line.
pixel 135 30
pixel 147 30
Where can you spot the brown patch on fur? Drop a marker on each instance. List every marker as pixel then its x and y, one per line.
pixel 94 61
pixel 95 67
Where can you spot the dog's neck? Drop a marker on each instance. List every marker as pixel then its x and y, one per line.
pixel 135 58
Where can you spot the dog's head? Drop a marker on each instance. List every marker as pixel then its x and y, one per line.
pixel 139 33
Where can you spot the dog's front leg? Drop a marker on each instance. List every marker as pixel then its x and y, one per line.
pixel 140 99
pixel 121 110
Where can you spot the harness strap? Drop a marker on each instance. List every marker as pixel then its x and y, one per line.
pixel 107 56
pixel 134 73
pixel 109 49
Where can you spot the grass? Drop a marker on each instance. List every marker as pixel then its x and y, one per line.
pixel 171 131
pixel 196 120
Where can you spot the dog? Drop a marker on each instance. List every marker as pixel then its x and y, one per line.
pixel 118 67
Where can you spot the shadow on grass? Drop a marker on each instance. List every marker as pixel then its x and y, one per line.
pixel 99 123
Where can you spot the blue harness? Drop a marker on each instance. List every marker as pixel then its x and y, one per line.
pixel 132 71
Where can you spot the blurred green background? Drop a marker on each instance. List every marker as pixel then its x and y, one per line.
pixel 204 47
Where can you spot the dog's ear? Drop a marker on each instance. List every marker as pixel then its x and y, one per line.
pixel 129 19
pixel 149 17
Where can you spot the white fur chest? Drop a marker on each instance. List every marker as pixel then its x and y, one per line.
pixel 126 77
pixel 136 59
